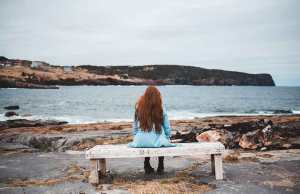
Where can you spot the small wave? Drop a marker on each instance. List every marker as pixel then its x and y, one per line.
pixel 4 118
pixel 176 115
pixel 69 119
pixel 271 111
pixel 296 111
pixel 173 115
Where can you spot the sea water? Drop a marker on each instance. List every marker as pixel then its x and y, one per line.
pixel 86 104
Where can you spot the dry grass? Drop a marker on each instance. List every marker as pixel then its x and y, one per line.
pixel 73 172
pixel 250 159
pixel 160 187
pixel 265 155
pixel 7 152
pixel 231 158
pixel 182 182
pixel 42 182
pixel 73 169
pixel 91 143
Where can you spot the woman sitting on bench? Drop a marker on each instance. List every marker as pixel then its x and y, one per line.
pixel 151 127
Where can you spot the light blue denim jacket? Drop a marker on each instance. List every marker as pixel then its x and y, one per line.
pixel 152 138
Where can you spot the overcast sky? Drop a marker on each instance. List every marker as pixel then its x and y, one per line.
pixel 255 36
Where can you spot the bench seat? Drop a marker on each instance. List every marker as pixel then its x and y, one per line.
pixel 99 153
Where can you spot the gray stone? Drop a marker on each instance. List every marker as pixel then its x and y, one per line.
pixel 12 107
pixel 11 113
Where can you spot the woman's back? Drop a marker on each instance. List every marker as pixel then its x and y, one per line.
pixel 151 126
pixel 151 138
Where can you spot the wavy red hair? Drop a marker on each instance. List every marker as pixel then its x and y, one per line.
pixel 149 111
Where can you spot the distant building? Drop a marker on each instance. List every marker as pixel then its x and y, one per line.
pixel 148 68
pixel 68 68
pixel 8 64
pixel 17 62
pixel 124 76
pixel 36 64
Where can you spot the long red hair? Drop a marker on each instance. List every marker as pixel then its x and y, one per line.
pixel 149 111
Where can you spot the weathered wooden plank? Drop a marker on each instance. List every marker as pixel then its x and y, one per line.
pixel 181 149
pixel 94 175
pixel 218 166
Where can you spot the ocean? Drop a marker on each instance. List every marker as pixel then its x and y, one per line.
pixel 88 104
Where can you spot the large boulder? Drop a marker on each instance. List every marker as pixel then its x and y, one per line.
pixel 11 113
pixel 221 135
pixel 250 140
pixel 258 138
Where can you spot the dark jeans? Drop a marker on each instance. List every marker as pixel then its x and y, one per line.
pixel 160 162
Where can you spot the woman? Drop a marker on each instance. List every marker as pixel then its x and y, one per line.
pixel 151 127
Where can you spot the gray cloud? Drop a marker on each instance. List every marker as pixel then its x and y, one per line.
pixel 253 36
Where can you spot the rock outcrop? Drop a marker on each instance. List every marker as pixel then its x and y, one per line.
pixel 183 75
pixel 245 132
pixel 36 74
pixel 221 135
pixel 260 134
pixel 16 123
pixel 11 113
pixel 12 107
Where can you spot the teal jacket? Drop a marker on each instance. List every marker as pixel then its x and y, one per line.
pixel 152 139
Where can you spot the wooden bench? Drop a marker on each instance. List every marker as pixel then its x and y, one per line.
pixel 98 155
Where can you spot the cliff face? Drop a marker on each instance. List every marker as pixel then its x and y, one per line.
pixel 24 73
pixel 186 75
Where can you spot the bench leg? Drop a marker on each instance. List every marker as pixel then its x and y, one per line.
pixel 102 167
pixel 94 175
pixel 98 170
pixel 217 166
pixel 212 158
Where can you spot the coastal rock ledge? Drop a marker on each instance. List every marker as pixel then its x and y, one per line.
pixel 36 74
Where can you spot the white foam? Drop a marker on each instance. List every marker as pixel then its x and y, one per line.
pixel 173 115
pixel 296 111
pixel 177 115
pixel 69 119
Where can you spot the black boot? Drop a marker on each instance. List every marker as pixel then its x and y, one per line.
pixel 160 168
pixel 147 167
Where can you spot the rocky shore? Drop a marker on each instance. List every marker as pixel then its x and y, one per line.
pixel 49 157
pixel 235 132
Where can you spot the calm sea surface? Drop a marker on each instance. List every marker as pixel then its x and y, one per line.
pixel 84 104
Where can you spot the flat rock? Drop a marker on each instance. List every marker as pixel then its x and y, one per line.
pixel 12 107
pixel 16 123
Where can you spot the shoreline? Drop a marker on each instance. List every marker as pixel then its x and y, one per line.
pixel 3 118
pixel 242 132
pixel 234 118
